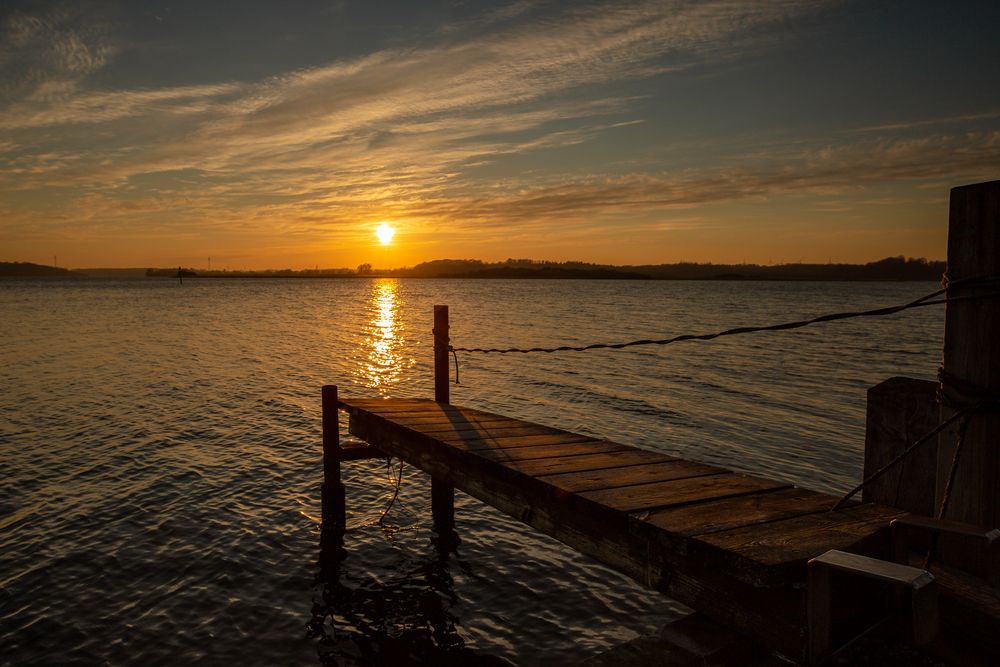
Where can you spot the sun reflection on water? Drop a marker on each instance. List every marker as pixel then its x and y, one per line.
pixel 386 361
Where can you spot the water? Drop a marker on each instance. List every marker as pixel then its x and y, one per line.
pixel 161 457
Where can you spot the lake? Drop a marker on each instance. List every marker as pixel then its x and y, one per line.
pixel 161 454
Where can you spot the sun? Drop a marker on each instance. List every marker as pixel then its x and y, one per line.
pixel 385 233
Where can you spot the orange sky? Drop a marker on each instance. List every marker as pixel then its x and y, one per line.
pixel 645 132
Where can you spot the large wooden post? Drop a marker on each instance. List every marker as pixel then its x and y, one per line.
pixel 972 355
pixel 442 494
pixel 334 510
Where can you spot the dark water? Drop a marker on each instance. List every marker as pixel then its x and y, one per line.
pixel 161 457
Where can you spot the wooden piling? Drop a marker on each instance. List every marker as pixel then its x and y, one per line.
pixel 442 494
pixel 900 411
pixel 971 360
pixel 333 501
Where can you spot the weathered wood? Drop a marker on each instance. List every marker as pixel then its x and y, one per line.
pixel 485 443
pixel 920 584
pixel 359 452
pixel 900 411
pixel 729 513
pixel 562 465
pixel 875 568
pixel 774 616
pixel 680 492
pixel 582 490
pixel 779 549
pixel 549 451
pixel 595 480
pixel 970 611
pixel 442 493
pixel 473 441
pixel 442 386
pixel 976 549
pixel 458 422
pixel 492 430
pixel 333 495
pixel 972 354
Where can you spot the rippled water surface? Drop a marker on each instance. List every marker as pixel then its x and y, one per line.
pixel 161 457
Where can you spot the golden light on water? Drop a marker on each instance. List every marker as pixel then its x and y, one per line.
pixel 386 361
pixel 385 232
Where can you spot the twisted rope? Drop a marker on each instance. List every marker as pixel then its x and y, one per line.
pixel 927 300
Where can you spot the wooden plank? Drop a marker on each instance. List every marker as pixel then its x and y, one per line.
pixel 514 442
pixel 427 418
pixel 416 409
pixel 550 451
pixel 471 440
pixel 773 549
pixel 729 513
pixel 680 492
pixel 377 405
pixel 500 430
pixel 561 465
pixel 594 480
pixel 875 568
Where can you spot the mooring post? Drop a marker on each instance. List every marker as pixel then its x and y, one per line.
pixel 333 501
pixel 442 494
pixel 971 360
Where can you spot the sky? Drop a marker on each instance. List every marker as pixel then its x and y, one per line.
pixel 283 134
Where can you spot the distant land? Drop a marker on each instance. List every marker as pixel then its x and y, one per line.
pixel 890 268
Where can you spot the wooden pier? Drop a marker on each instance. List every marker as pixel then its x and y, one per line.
pixel 750 553
pixel 731 545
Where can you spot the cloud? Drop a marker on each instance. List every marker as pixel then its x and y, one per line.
pixel 60 104
pixel 522 72
pixel 927 122
pixel 407 132
pixel 60 45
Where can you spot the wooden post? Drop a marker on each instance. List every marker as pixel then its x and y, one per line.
pixel 334 509
pixel 901 410
pixel 972 353
pixel 442 495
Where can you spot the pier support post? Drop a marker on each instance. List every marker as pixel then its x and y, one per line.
pixel 333 501
pixel 442 494
pixel 971 360
pixel 901 410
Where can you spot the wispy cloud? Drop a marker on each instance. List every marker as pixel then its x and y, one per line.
pixel 50 49
pixel 453 91
pixel 407 132
pixel 929 122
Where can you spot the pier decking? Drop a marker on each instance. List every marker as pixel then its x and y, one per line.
pixel 731 545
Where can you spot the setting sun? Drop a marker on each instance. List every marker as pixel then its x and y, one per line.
pixel 385 233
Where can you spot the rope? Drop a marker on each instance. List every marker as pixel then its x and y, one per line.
pixel 728 332
pixel 927 300
pixel 964 397
pixel 899 457
pixel 395 493
pixel 946 496
pixel 392 501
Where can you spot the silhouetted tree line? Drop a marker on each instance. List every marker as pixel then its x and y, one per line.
pixel 29 270
pixel 890 268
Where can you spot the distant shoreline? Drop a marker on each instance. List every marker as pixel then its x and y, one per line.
pixel 891 269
